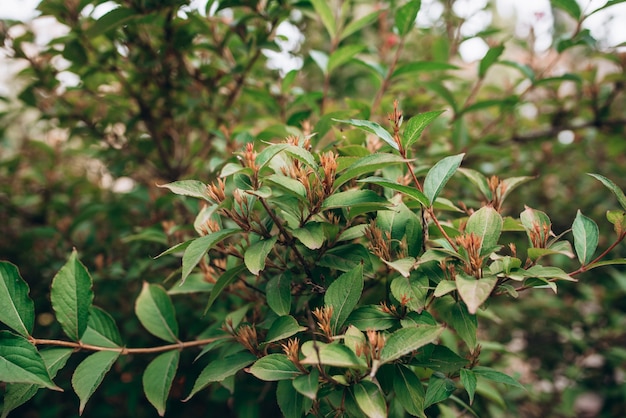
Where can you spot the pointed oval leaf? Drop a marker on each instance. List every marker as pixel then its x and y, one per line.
pixel 291 403
pixel 586 234
pixel 156 312
pixel 439 174
pixel 411 290
pixel 489 59
pixel 621 198
pixel 219 370
pixel 334 354
pixel 20 362
pixel 571 7
pixel 18 309
pixel 307 384
pixel 370 399
pixel 359 24
pixel 496 376
pixel 225 279
pixel 416 125
pixel 468 380
pixel 479 180
pixel 283 327
pixel 406 15
pixel 90 373
pixel 367 164
pixel 199 247
pixel 101 330
pixel 407 190
pixel 464 323
pixel 444 287
pixel 255 255
pixel 352 198
pixel 158 377
pixel 71 297
pixel 343 55
pixel 439 389
pixel 486 223
pixel 274 367
pixel 311 235
pixel 343 295
pixel 327 16
pixel 193 188
pixel 409 390
pixel 512 183
pixel 278 294
pixel 406 340
pixel 474 292
pixel 371 317
pixel 536 222
pixel 373 128
pixel 114 18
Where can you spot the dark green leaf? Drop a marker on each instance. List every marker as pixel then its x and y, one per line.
pixel 255 255
pixel 372 127
pixel 439 358
pixel 496 376
pixel 343 295
pixel 409 390
pixel 101 330
pixel 416 125
pixel 199 247
pixel 407 190
pixel 406 15
pixel 367 164
pixel 439 174
pixel 621 198
pixel 352 198
pixel 219 370
pixel 20 362
pixel 158 377
pixel 464 324
pixel 422 66
pixel 18 310
pixel 406 340
pixel 343 55
pixel 358 24
pixel 333 354
pixel 411 291
pixel 90 373
pixel 571 7
pixel 311 235
pixel 370 399
pixel 156 312
pixel 274 367
pixel 113 19
pixel 586 234
pixel 468 380
pixel 307 384
pixel 283 327
pixel 278 294
pixel 371 317
pixel 291 403
pixel 489 59
pixel 439 389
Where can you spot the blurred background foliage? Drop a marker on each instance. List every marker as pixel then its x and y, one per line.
pixel 134 93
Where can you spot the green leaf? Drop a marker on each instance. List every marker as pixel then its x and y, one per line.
pixel 406 15
pixel 90 373
pixel 343 55
pixel 607 4
pixel 586 236
pixel 113 19
pixel 334 354
pixel 406 340
pixel 439 358
pixel 219 370
pixel 367 164
pixel 496 376
pixel 571 7
pixel 439 389
pixel 371 127
pixel 156 312
pixel 371 317
pixel 402 266
pixel 291 403
pixel 407 190
pixel 621 198
pixel 511 184
pixel 101 330
pixel 444 287
pixel 325 13
pixel 71 297
pixel 283 327
pixel 19 393
pixel 311 235
pixel 352 198
pixel 526 71
pixel 20 362
pixel 489 59
pixel 358 24
pixel 307 384
pixel 370 399
pixel 274 367
pixel 416 125
pixel 409 390
pixel 255 255
pixel 617 261
pixel 199 247
pixel 486 223
pixel 474 292
pixel 176 248
pixel 548 273
pixel 158 377
pixel 193 188
pixel 321 59
pixel 411 291
pixel 536 222
pixel 343 295
pixel 439 174
pixel 18 309
pixel 468 380
pixel 422 66
pixel 278 294
pixel 464 323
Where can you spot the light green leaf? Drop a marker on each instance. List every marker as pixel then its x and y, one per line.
pixel 307 384
pixel 614 262
pixel 439 174
pixel 101 329
pixel 291 403
pixel 71 297
pixel 158 377
pixel 367 164
pixel 444 287
pixel 416 125
pixel 548 272
pixel 486 223
pixel 199 247
pixel 90 373
pixel 334 354
pixel 439 389
pixel 321 59
pixel 311 235
pixel 406 340
pixel 343 55
pixel 402 266
pixel 474 292
pixel 406 15
pixel 468 380
pixel 18 309
pixel 156 312
pixel 372 127
pixel 255 255
pixel 343 295
pixel 283 327
pixel 219 370
pixel 621 198
pixel 489 59
pixel 176 248
pixel 422 66
pixel 371 317
pixel 409 390
pixel 571 7
pixel 274 367
pixel 20 362
pixel 586 234
pixel 264 157
pixel 113 19
pixel 536 222
pixel 352 198
pixel 512 183
pixel 407 190
pixel 193 188
pixel 358 24
pixel 411 290
pixel 327 16
pixel 496 376
pixel 278 294
pixel 370 399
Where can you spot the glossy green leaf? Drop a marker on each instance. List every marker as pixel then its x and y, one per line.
pixel 373 128
pixel 464 323
pixel 90 373
pixel 71 297
pixel 489 59
pixel 255 255
pixel 468 380
pixel 274 367
pixel 439 389
pixel 475 292
pixel 291 403
pixel 307 384
pixel 199 247
pixel 156 312
pixel 323 10
pixel 486 223
pixel 101 330
pixel 406 340
pixel 113 19
pixel 158 377
pixel 218 370
pixel 416 125
pixel 621 198
pixel 283 327
pixel 278 294
pixel 411 291
pixel 343 55
pixel 370 399
pixel 311 235
pixel 193 188
pixel 439 174
pixel 371 317
pixel 406 15
pixel 496 376
pixel 412 192
pixel 586 235
pixel 365 165
pixel 409 390
pixel 343 295
pixel 20 362
pixel 352 198
pixel 571 7
pixel 334 354
pixel 18 310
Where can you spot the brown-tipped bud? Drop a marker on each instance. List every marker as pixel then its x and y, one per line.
pixel 472 244
pixel 217 191
pixel 323 316
pixel 247 336
pixel 377 243
pixel 513 249
pixel 376 342
pixel 291 350
pixel 249 157
pixel 328 161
